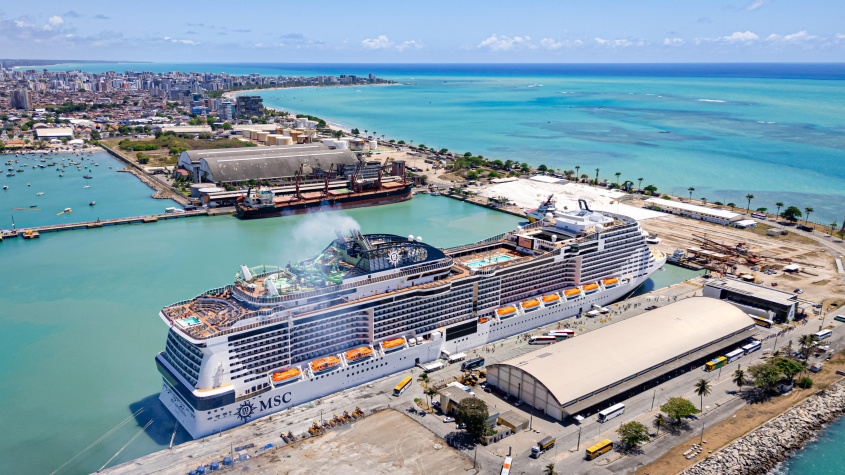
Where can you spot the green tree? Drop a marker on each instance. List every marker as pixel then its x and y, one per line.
pixel 549 469
pixel 493 174
pixel 227 126
pixel 808 210
pixel 805 383
pixel 659 421
pixel 338 133
pixel 524 168
pixel 791 214
pixel 766 375
pixel 702 388
pixel 471 175
pixel 833 226
pixel 703 201
pixel 444 150
pixel 424 377
pixel 497 164
pixel 749 197
pixel 632 434
pixel 788 366
pixel 807 343
pixel 468 154
pixel 690 189
pixel 739 379
pixel 677 408
pixel 762 210
pixel 651 189
pixel 472 413
pixel 732 205
pixel 618 174
pixel 779 204
pixel 640 183
pixel 597 176
pixel 430 392
pixel 543 168
pixel 252 183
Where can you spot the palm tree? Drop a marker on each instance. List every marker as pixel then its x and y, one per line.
pixel 366 134
pixel 808 210
pixel 618 174
pixel 577 169
pixel 430 392
pixel 550 469
pixel 749 197
pixel 779 204
pixel 690 189
pixel 702 388
pixel 703 200
pixel 739 379
pixel 597 176
pixel 639 183
pixel 807 342
pixel 659 421
pixel 833 227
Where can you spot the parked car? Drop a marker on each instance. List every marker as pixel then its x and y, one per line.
pixel 517 403
pixel 798 291
pixel 449 419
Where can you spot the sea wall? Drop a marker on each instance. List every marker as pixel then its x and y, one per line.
pixel 761 449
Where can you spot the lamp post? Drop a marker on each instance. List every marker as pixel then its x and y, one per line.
pixel 579 440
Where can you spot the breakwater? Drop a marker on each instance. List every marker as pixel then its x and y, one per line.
pixel 762 449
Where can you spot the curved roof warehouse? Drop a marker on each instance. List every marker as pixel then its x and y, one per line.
pixel 578 374
pixel 263 163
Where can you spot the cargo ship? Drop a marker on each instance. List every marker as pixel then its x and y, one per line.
pixel 359 193
pixel 372 305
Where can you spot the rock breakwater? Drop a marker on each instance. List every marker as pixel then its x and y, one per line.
pixel 762 449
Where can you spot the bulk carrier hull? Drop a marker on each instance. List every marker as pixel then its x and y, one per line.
pixel 352 200
pixel 349 375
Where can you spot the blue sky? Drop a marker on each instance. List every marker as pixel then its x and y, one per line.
pixel 430 31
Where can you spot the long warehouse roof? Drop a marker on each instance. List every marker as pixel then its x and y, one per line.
pixel 276 163
pixel 587 363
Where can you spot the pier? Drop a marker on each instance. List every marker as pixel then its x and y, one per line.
pixel 150 218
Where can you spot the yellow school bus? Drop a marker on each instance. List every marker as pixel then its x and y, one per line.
pixel 604 446
pixel 402 386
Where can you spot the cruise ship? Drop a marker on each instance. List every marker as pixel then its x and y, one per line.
pixel 370 305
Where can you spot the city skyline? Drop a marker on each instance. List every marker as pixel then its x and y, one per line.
pixel 437 32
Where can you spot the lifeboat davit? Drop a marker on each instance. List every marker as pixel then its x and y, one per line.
pixel 612 281
pixel 287 376
pixel 571 292
pixel 505 311
pixel 589 287
pixel 324 364
pixel 551 299
pixel 359 353
pixel 532 304
pixel 393 344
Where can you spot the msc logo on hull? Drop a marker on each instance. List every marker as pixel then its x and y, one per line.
pixel 247 409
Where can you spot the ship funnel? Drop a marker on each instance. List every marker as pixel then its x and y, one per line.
pixel 247 274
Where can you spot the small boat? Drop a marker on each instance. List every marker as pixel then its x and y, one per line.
pixel 67 210
pixel 506 312
pixel 283 377
pixel 5 187
pixel 529 305
pixel 39 193
pixel 10 174
pixel 359 354
pixel 61 174
pixel 610 282
pixel 325 364
pixel 551 299
pixel 393 344
pixel 87 177
pixel 87 186
pixel 571 292
pixel 591 287
pixel 92 203
pixel 33 206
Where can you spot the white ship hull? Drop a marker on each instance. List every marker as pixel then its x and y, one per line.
pixel 204 423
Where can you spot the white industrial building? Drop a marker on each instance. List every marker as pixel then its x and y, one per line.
pixel 754 299
pixel 689 210
pixel 614 362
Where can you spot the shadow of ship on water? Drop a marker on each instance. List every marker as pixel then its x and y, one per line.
pixel 161 429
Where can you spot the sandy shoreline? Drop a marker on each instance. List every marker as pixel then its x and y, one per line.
pixel 232 94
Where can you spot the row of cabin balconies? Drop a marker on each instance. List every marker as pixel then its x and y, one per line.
pixel 412 324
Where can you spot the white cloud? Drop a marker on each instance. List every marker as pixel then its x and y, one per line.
pixel 505 43
pixel 756 4
pixel 54 22
pixel 801 37
pixel 621 43
pixel 736 37
pixel 380 42
pixel 409 44
pixel 673 42
pixel 178 41
pixel 550 43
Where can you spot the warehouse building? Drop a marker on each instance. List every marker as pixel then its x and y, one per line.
pixel 597 369
pixel 263 163
pixel 754 299
pixel 688 210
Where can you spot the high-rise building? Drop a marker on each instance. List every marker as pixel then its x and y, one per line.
pixel 250 105
pixel 21 99
pixel 227 109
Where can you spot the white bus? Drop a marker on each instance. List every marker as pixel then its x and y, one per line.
pixel 506 466
pixel 758 215
pixel 735 355
pixel 457 357
pixel 823 334
pixel 431 367
pixel 561 334
pixel 542 340
pixel 611 412
pixel 753 346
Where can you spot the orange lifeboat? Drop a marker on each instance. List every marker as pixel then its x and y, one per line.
pixel 590 287
pixel 530 304
pixel 284 376
pixel 358 353
pixel 612 281
pixel 571 292
pixel 550 298
pixel 393 344
pixel 506 311
pixel 483 319
pixel 324 364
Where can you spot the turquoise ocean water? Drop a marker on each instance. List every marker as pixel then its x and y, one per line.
pixel 823 456
pixel 772 130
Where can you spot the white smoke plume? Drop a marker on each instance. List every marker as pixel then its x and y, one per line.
pixel 317 230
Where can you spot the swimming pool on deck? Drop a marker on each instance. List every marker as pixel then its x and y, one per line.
pixel 486 262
